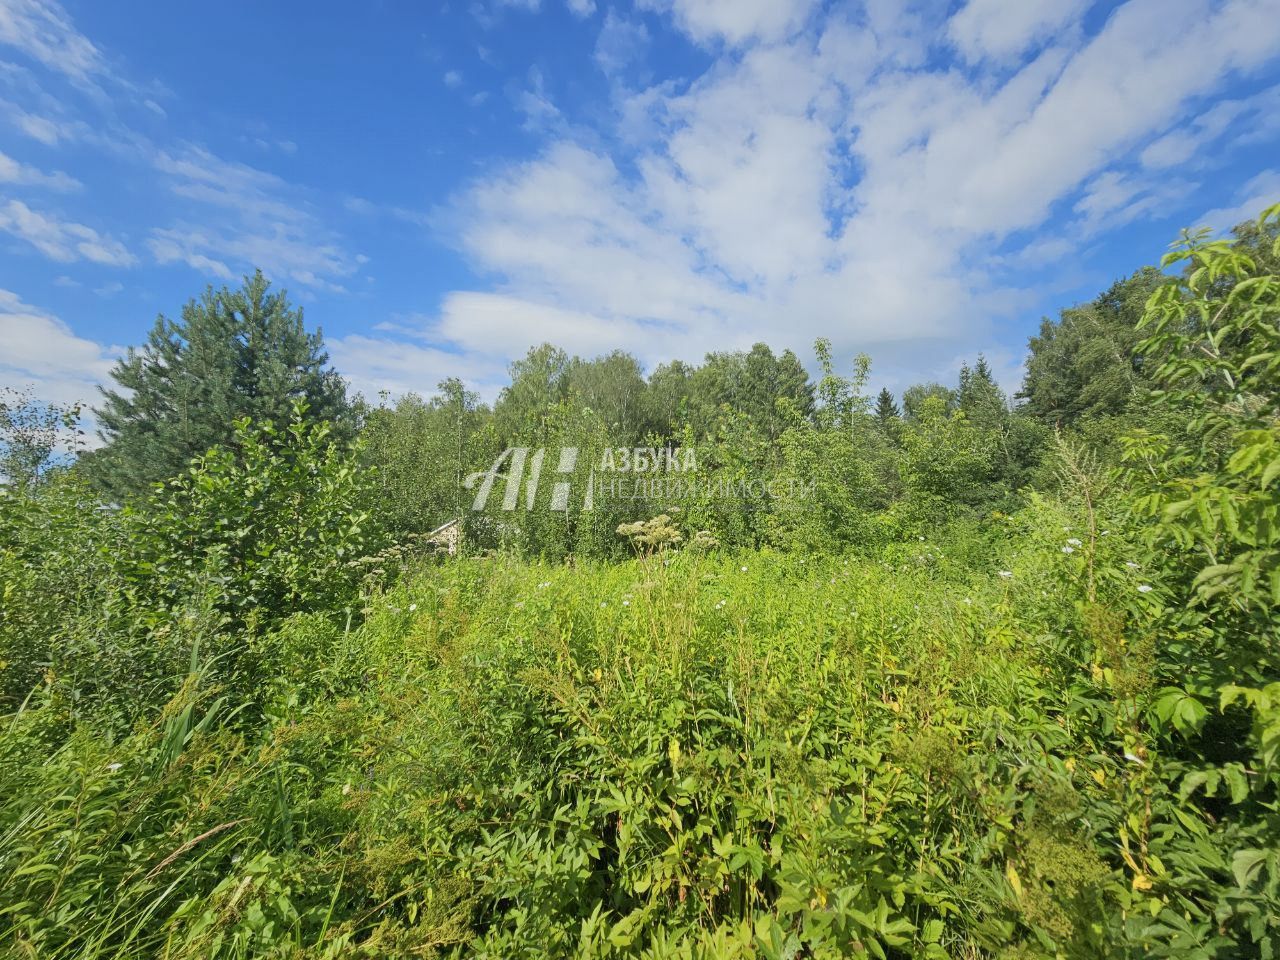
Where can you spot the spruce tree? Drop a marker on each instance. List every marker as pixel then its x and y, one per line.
pixel 980 397
pixel 233 354
pixel 887 412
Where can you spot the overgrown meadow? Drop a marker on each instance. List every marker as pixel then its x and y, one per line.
pixel 1014 693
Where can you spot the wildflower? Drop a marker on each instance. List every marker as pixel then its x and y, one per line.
pixel 921 539
pixel 1068 549
pixel 626 603
pixel 413 607
pixel 1074 542
pixel 113 767
pixel 744 569
pixel 1145 588
pixel 1006 573
pixel 603 604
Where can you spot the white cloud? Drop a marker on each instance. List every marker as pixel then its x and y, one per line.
pixel 834 182
pixel 621 43
pixel 535 103
pixel 184 246
pixel 49 132
pixel 734 21
pixel 476 321
pixel 1255 196
pixel 42 30
pixel 1256 118
pixel 13 171
pixel 40 351
pixel 242 218
pixel 62 240
pixel 1003 29
pixel 372 365
pixel 830 173
pixel 1113 198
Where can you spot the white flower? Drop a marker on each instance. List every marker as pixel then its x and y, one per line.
pixel 113 767
pixel 1074 542
pixel 1145 588
pixel 603 604
pixel 744 569
pixel 1068 549
pixel 413 607
pixel 1006 573
pixel 1131 565
pixel 626 603
pixel 921 539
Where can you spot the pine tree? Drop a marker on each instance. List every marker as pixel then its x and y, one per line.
pixel 980 397
pixel 233 354
pixel 887 412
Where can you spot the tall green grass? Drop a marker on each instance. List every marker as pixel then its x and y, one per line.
pixel 719 756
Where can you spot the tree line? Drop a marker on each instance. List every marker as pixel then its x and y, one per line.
pixel 875 470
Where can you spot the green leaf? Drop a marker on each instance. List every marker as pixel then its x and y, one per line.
pixel 1246 865
pixel 1270 473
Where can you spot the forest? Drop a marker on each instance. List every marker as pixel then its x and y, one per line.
pixel 770 665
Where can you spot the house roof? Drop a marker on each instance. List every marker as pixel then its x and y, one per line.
pixel 445 526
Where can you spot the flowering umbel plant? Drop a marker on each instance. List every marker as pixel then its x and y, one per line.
pixel 651 536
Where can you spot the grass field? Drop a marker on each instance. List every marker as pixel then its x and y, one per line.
pixel 689 755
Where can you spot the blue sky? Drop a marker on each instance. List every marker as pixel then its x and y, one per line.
pixel 443 186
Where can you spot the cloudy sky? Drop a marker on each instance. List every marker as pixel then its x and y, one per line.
pixel 442 186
